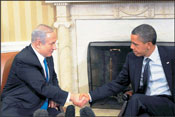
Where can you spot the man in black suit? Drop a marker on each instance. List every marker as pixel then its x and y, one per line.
pixel 32 84
pixel 150 71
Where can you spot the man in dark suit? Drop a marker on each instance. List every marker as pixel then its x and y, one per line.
pixel 32 84
pixel 150 71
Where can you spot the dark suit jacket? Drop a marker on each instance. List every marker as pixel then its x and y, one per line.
pixel 26 88
pixel 131 74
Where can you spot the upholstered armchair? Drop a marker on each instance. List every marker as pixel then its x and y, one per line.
pixel 6 62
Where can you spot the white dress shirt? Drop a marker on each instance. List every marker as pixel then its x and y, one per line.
pixel 157 84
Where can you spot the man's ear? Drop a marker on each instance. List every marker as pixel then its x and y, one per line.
pixel 37 43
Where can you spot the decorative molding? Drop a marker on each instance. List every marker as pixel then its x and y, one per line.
pixel 65 24
pixel 83 1
pixel 13 46
pixel 151 11
pixel 116 10
pixel 61 3
pixel 134 10
pixel 62 15
pixel 100 1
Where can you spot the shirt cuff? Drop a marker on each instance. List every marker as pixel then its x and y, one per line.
pixel 90 97
pixel 68 98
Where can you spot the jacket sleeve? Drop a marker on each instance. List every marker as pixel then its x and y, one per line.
pixel 33 77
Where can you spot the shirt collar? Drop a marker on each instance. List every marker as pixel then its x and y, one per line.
pixel 154 56
pixel 40 57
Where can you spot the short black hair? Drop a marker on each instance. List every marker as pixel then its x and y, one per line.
pixel 146 32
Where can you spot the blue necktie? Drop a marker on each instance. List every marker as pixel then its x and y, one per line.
pixel 45 105
pixel 146 74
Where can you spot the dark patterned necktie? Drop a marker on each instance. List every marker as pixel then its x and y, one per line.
pixel 146 74
pixel 45 105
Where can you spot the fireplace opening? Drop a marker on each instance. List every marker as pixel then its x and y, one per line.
pixel 105 61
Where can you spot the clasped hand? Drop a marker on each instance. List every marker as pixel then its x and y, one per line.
pixel 80 99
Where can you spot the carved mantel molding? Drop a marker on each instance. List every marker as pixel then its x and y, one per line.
pixel 115 9
pixel 61 3
pixel 134 10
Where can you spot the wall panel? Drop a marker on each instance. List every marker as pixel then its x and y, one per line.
pixel 19 18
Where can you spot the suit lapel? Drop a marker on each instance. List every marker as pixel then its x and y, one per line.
pixel 166 66
pixel 34 59
pixel 138 69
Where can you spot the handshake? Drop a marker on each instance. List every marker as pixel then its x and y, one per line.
pixel 80 99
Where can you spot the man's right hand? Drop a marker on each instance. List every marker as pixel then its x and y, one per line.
pixel 85 95
pixel 78 100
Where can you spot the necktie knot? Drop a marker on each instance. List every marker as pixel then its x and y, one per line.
pixel 45 62
pixel 147 60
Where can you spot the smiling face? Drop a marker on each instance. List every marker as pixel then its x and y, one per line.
pixel 49 46
pixel 139 48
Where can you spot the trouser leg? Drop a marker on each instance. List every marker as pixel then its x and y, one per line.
pixel 9 111
pixel 153 105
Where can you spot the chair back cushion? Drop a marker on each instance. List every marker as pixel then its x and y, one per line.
pixel 6 62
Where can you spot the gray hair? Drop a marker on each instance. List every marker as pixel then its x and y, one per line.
pixel 40 33
pixel 146 32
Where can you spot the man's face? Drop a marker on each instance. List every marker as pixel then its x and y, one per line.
pixel 139 48
pixel 50 45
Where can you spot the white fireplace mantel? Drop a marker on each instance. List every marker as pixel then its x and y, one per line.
pixel 81 22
